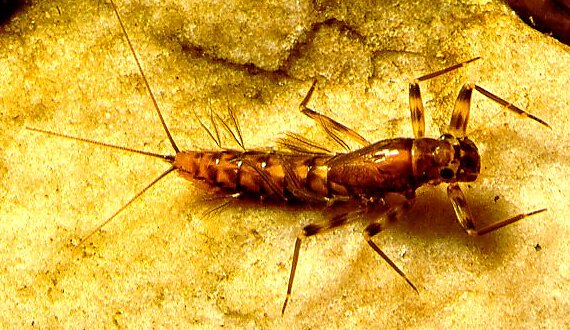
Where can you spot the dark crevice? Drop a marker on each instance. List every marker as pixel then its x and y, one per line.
pixel 548 16
pixel 9 8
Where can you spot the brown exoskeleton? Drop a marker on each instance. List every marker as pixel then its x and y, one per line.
pixel 400 166
pixel 303 172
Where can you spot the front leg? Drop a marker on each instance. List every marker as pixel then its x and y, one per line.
pixel 465 218
pixel 415 99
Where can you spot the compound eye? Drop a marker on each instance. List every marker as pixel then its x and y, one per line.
pixel 446 173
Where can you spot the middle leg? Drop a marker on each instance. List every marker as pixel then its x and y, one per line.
pixel 390 216
pixel 384 216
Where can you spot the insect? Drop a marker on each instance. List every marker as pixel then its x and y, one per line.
pixel 376 182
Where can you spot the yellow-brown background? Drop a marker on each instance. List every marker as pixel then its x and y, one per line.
pixel 65 67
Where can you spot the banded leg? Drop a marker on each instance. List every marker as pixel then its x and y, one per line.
pixel 509 106
pixel 417 110
pixel 390 215
pixel 310 230
pixel 460 117
pixel 331 126
pixel 416 104
pixel 465 218
pixel 374 228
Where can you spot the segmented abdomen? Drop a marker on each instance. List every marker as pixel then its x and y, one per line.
pixel 266 175
pixel 385 166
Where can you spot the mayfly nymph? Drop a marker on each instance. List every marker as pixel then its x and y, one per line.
pixel 352 185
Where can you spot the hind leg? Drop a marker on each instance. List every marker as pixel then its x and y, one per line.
pixel 331 126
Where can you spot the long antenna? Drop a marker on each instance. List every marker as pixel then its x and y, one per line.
pixel 135 197
pixel 174 146
pixel 168 158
